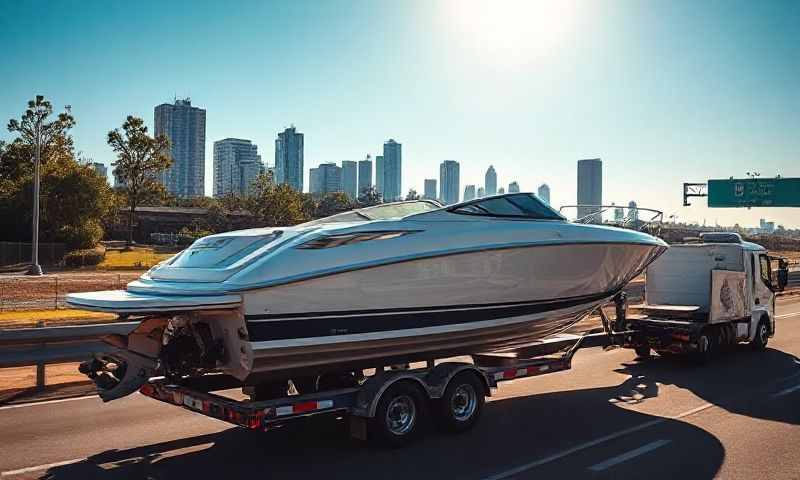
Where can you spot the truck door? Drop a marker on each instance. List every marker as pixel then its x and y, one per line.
pixel 763 293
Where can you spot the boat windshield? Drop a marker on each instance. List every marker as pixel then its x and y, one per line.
pixel 379 212
pixel 518 205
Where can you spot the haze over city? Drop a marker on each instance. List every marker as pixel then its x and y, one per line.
pixel 663 93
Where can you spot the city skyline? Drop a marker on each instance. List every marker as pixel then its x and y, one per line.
pixel 604 83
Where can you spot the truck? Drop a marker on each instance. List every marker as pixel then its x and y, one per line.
pixel 705 296
pixel 699 297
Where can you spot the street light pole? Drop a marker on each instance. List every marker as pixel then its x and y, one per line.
pixel 36 269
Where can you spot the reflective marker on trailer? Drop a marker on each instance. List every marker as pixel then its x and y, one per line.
pixel 301 408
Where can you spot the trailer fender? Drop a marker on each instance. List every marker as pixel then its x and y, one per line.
pixel 370 393
pixel 438 379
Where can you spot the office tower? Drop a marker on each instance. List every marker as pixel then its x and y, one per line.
pixel 392 171
pixel 491 181
pixel 513 187
pixel 350 178
pixel 364 175
pixel 430 189
pixel 501 191
pixel 449 182
pixel 481 192
pixel 590 186
pixel 633 212
pixel 101 169
pixel 185 127
pixel 326 178
pixel 236 166
pixel 379 174
pixel 469 192
pixel 544 193
pixel 289 158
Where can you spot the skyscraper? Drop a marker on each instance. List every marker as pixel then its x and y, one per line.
pixel 185 127
pixel 449 182
pixel 236 166
pixel 350 178
pixel 501 191
pixel 326 178
pixel 481 192
pixel 392 171
pixel 491 181
pixel 513 187
pixel 364 175
pixel 101 169
pixel 430 189
pixel 469 192
pixel 590 186
pixel 289 158
pixel 544 193
pixel 379 174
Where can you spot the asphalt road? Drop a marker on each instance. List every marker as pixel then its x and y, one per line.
pixel 609 417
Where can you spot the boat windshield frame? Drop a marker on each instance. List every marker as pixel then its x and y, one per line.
pixel 364 213
pixel 481 211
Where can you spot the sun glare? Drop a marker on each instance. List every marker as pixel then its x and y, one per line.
pixel 514 32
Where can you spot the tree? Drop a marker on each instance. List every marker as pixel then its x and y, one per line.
pixel 276 205
pixel 140 158
pixel 369 197
pixel 333 203
pixel 412 195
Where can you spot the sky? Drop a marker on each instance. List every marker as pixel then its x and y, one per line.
pixel 664 92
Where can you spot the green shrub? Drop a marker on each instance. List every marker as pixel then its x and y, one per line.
pixel 85 257
pixel 82 236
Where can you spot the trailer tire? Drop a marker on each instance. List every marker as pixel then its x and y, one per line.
pixel 761 339
pixel 462 403
pixel 399 416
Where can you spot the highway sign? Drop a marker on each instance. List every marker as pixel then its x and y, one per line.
pixel 754 192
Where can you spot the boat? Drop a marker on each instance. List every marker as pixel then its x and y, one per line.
pixel 382 285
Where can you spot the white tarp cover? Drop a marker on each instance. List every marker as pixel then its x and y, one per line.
pixel 728 295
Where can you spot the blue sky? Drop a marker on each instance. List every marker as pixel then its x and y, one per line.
pixel 664 92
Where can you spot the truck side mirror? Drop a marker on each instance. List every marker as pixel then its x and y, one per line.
pixel 783 277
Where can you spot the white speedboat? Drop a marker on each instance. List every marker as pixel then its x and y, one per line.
pixel 382 285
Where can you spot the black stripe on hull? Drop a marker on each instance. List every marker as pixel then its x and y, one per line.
pixel 367 321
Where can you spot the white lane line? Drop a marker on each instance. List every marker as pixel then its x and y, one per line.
pixel 785 391
pixel 41 467
pixel 47 402
pixel 592 443
pixel 785 315
pixel 628 455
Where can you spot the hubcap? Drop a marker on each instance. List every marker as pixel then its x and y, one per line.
pixel 763 333
pixel 703 344
pixel 401 414
pixel 464 402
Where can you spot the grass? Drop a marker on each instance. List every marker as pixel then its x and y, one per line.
pixel 137 258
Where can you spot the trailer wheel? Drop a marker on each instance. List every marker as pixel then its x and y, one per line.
pixel 462 403
pixel 399 416
pixel 762 336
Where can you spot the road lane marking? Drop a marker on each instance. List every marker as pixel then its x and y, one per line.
pixel 785 315
pixel 592 443
pixel 785 391
pixel 628 455
pixel 41 467
pixel 48 402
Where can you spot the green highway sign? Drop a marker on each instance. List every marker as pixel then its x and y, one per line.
pixel 754 192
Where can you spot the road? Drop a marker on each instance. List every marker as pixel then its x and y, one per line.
pixel 609 417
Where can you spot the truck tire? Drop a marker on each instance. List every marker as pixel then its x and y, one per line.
pixel 400 415
pixel 706 342
pixel 759 343
pixel 462 403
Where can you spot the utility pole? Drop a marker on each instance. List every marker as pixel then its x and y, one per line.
pixel 36 269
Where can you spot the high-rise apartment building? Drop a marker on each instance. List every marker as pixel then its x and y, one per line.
pixel 430 189
pixel 544 193
pixel 490 181
pixel 501 191
pixel 449 182
pixel 185 127
pixel 469 192
pixel 364 175
pixel 289 158
pixel 513 187
pixel 326 178
pixel 590 186
pixel 392 171
pixel 236 166
pixel 101 169
pixel 350 178
pixel 481 192
pixel 379 174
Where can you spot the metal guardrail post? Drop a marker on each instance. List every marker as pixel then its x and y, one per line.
pixel 40 373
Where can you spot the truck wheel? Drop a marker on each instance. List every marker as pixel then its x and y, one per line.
pixel 705 347
pixel 399 415
pixel 462 403
pixel 762 336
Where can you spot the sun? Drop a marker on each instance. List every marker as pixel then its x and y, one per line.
pixel 511 31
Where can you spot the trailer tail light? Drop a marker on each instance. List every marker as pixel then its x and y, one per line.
pixel 681 336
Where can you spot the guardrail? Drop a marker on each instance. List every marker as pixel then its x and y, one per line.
pixel 46 345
